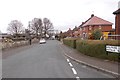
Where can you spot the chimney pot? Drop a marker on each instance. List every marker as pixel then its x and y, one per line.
pixel 92 15
pixel 83 22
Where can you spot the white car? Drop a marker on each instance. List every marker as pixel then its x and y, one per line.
pixel 42 41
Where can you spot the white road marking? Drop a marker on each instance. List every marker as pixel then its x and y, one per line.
pixel 74 71
pixel 68 60
pixel 70 64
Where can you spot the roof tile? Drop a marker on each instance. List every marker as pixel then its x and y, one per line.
pixel 96 21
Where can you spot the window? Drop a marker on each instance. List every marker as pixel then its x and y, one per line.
pixel 99 27
pixel 84 29
pixel 80 29
pixel 90 28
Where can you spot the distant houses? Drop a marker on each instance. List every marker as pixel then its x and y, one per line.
pixel 86 28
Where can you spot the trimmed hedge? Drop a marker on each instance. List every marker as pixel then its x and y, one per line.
pixel 97 48
pixel 70 42
pixel 94 48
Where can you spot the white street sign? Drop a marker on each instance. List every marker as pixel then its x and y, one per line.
pixel 110 48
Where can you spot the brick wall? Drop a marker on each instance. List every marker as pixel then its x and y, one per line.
pixel 102 28
pixel 117 25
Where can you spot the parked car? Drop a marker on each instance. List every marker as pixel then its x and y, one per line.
pixel 42 40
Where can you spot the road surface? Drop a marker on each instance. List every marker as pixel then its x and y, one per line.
pixel 44 61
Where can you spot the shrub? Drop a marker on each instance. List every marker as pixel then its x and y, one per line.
pixel 94 48
pixel 97 48
pixel 70 42
pixel 96 34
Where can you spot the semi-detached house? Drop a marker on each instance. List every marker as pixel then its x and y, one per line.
pixel 93 23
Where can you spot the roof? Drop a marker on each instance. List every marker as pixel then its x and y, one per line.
pixel 70 31
pixel 117 12
pixel 75 29
pixel 86 21
pixel 94 20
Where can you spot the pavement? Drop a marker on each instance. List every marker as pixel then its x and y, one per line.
pixel 106 66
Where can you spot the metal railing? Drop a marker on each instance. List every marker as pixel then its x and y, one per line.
pixel 110 37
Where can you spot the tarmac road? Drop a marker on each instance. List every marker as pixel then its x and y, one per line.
pixel 44 61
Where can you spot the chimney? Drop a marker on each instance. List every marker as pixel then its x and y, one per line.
pixel 69 28
pixel 92 15
pixel 83 23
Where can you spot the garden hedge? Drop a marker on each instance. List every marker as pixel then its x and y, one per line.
pixel 94 48
pixel 97 48
pixel 70 42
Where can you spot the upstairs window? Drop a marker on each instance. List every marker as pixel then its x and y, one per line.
pixel 100 27
pixel 90 28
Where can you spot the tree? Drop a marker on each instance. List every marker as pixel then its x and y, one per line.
pixel 40 27
pixel 47 26
pixel 35 26
pixel 15 27
pixel 96 34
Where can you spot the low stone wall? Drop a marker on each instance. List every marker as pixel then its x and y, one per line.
pixel 8 45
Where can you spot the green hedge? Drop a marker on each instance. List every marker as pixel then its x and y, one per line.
pixel 70 42
pixel 94 48
pixel 97 48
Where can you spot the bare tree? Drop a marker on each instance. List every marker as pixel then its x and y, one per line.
pixel 15 27
pixel 40 28
pixel 35 26
pixel 47 25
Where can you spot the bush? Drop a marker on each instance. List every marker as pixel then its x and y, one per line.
pixel 70 42
pixel 96 34
pixel 96 48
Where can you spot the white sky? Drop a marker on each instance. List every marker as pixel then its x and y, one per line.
pixel 63 14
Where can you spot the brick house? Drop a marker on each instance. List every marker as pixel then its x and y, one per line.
pixel 68 33
pixel 117 23
pixel 93 23
pixel 75 32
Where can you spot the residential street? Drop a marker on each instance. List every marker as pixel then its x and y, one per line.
pixel 44 61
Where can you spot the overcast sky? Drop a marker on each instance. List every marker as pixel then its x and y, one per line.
pixel 63 14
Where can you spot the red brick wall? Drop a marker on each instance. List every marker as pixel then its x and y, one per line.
pixel 87 30
pixel 117 25
pixel 106 28
pixel 103 28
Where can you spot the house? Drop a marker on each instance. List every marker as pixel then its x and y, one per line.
pixel 69 33
pixel 92 24
pixel 75 32
pixel 117 24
